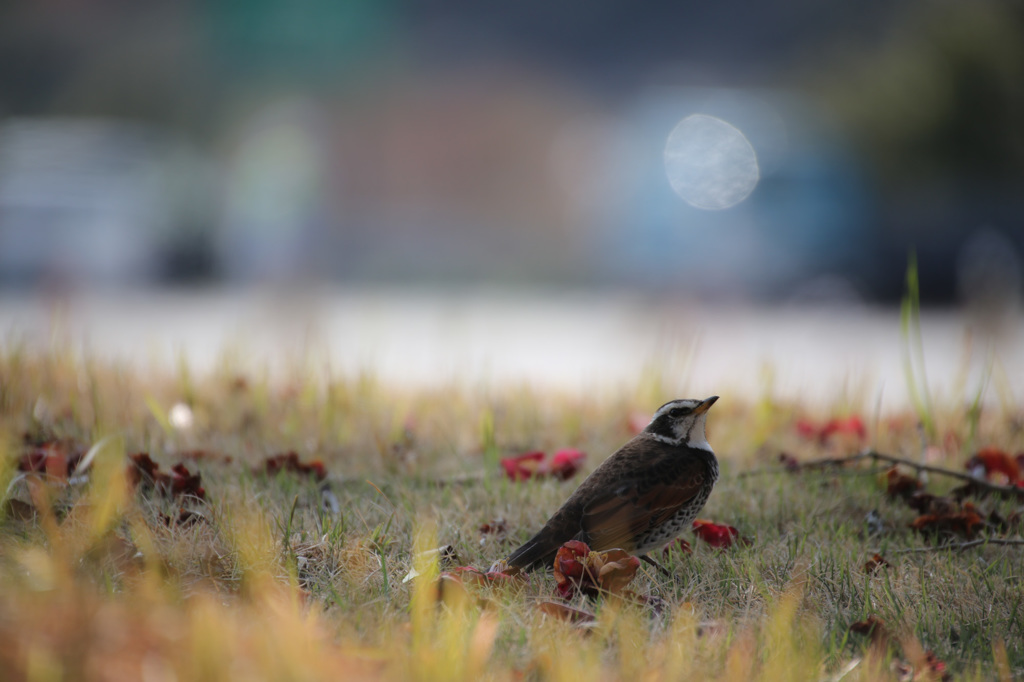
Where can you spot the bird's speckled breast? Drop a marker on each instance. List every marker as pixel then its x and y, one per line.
pixel 682 520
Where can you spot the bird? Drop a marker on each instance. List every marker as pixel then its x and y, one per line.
pixel 640 498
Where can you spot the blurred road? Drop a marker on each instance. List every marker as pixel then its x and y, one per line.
pixel 572 341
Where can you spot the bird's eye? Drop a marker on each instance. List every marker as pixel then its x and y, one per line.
pixel 677 412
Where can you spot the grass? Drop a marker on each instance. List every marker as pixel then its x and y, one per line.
pixel 272 584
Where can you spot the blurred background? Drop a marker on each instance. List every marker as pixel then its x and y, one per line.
pixel 753 154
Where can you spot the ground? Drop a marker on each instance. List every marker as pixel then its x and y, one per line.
pixel 294 567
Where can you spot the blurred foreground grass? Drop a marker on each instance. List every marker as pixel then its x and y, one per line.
pixel 287 578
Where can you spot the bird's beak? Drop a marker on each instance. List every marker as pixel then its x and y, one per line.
pixel 705 405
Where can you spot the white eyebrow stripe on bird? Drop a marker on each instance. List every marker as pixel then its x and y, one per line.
pixel 672 404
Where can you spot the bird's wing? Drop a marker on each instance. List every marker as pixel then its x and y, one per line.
pixel 616 517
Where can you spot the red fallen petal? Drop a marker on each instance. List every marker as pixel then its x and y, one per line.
pixel 789 462
pixel 33 461
pixel 900 485
pixel 876 562
pixel 937 666
pixel 473 573
pixel 852 425
pixel 57 465
pixel 874 628
pixel 565 463
pixel 570 560
pixel 464 574
pixel 570 567
pixel 806 428
pixel 578 569
pixel 183 482
pixel 922 502
pixel 617 573
pixel 500 576
pixel 995 461
pixel 449 585
pixel 578 547
pixel 317 468
pixel 466 569
pixel 494 527
pixel 141 468
pixel 289 461
pixel 56 458
pixel 714 534
pixel 502 579
pixel 522 467
pixel 965 524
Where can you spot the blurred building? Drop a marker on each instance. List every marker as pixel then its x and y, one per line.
pixel 101 202
pixel 445 142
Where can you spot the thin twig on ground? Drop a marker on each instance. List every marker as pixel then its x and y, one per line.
pixel 980 483
pixel 823 463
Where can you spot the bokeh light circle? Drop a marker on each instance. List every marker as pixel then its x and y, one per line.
pixel 710 163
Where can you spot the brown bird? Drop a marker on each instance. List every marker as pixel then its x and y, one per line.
pixel 640 498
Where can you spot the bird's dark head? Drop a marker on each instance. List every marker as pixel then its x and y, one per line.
pixel 681 422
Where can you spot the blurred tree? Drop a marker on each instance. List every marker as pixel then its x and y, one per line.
pixel 937 106
pixel 941 98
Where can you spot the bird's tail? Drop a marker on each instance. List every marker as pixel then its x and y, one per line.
pixel 536 553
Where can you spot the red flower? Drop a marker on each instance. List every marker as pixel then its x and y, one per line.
pixel 848 426
pixel 563 465
pixel 55 458
pixel 577 569
pixel 145 473
pixel 876 562
pixel 570 562
pixel 900 484
pixel 873 628
pixel 965 523
pixel 289 461
pixel 142 469
pixel 717 535
pixel 183 482
pixel 522 467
